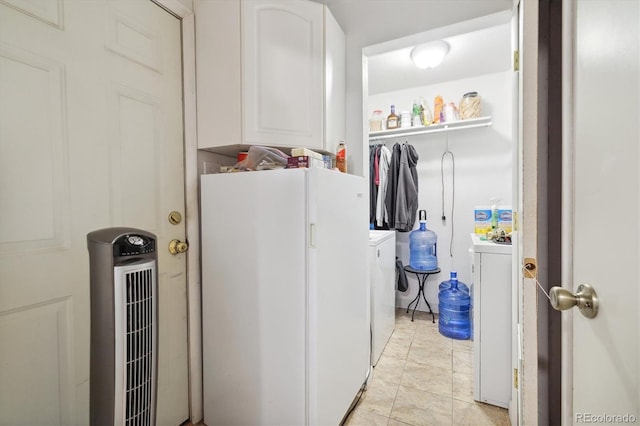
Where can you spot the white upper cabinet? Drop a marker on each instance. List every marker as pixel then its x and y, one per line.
pixel 335 83
pixel 282 75
pixel 269 72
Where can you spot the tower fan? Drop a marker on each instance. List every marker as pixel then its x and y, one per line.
pixel 124 330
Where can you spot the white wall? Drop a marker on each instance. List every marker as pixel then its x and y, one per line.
pixel 483 161
pixel 370 23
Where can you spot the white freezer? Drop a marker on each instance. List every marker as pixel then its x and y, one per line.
pixel 285 322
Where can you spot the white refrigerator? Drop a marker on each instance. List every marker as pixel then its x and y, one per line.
pixel 284 293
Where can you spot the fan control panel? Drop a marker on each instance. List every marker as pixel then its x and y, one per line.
pixel 133 245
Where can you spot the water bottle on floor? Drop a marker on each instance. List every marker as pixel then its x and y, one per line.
pixel 454 305
pixel 444 285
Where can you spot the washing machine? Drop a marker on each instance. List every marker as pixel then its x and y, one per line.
pixel 382 264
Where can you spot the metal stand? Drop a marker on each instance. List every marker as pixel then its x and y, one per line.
pixel 422 279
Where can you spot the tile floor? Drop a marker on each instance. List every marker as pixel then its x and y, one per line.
pixel 423 378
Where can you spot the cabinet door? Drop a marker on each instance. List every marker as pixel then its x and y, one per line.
pixel 218 66
pixel 494 287
pixel 282 63
pixel 335 60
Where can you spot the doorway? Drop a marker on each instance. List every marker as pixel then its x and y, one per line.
pixel 459 170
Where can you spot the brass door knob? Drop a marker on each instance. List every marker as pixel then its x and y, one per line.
pixel 177 246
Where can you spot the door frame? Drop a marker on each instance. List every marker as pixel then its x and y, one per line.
pixel 530 202
pixel 183 10
pixel 515 408
pixel 568 144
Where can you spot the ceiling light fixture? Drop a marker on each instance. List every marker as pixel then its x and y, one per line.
pixel 429 55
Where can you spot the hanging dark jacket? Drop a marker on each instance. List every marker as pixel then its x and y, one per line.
pixel 407 196
pixel 392 184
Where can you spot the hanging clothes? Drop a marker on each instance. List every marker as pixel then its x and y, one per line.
pixel 392 185
pixel 407 190
pixel 376 167
pixel 393 189
pixel 384 160
pixel 373 189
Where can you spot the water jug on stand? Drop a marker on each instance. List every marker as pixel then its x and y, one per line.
pixel 423 246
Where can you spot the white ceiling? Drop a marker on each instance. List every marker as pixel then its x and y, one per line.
pixel 392 27
pixel 470 54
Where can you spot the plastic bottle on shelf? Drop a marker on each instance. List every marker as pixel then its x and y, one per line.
pixel 341 157
pixel 416 114
pixel 393 121
pixel 454 306
pixel 444 285
pixel 375 122
pixel 450 112
pixel 426 115
pixel 438 104
pixel 405 119
pixel 423 246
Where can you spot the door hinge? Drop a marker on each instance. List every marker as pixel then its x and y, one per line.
pixel 515 378
pixel 516 60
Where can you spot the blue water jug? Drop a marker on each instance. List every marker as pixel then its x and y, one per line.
pixel 423 246
pixel 453 277
pixel 454 319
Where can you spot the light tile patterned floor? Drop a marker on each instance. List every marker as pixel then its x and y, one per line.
pixel 423 378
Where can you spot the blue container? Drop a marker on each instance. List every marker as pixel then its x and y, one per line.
pixel 423 246
pixel 444 285
pixel 454 319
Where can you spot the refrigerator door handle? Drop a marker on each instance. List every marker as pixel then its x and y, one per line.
pixel 312 235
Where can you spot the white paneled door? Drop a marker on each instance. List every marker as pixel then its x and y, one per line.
pixel 91 136
pixel 602 363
